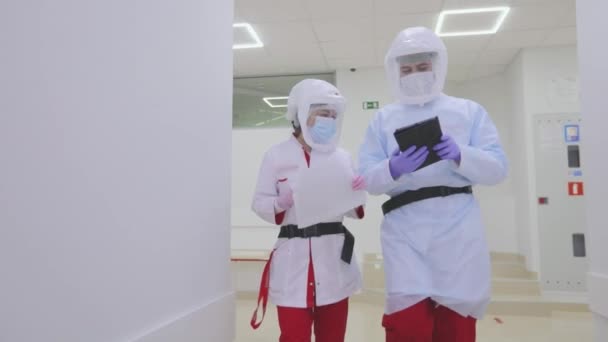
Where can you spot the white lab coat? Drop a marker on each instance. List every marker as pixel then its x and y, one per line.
pixel 335 279
pixel 436 248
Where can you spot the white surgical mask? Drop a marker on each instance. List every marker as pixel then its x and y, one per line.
pixel 418 83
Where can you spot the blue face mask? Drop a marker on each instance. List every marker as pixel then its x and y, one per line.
pixel 323 130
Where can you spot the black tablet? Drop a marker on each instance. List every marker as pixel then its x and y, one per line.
pixel 425 133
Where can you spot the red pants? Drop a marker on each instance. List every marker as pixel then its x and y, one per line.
pixel 329 320
pixel 329 323
pixel 424 322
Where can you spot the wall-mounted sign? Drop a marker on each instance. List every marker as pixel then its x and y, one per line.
pixel 575 189
pixel 371 105
pixel 572 133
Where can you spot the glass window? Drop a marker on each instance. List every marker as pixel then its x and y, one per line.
pixel 261 102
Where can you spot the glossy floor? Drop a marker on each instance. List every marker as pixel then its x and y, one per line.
pixel 364 326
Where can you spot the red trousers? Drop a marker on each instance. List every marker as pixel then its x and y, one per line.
pixel 426 322
pixel 329 323
pixel 329 320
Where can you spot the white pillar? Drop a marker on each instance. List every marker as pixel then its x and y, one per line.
pixel 115 133
pixel 593 63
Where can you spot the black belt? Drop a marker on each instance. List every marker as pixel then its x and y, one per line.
pixel 292 231
pixel 422 194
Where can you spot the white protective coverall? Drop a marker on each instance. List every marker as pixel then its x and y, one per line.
pixel 434 248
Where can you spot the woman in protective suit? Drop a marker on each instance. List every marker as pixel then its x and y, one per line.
pixel 437 264
pixel 311 272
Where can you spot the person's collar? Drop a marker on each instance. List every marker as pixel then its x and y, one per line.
pixel 301 143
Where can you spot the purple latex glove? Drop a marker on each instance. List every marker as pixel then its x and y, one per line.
pixel 448 149
pixel 407 161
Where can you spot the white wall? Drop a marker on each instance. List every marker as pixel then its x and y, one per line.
pixel 520 161
pixel 497 202
pixel 551 86
pixel 114 179
pixel 594 73
pixel 541 81
pixel 371 85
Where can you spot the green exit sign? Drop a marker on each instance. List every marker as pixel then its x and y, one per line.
pixel 371 105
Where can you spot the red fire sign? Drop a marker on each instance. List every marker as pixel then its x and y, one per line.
pixel 575 189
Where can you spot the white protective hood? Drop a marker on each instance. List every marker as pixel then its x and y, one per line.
pixel 309 92
pixel 411 41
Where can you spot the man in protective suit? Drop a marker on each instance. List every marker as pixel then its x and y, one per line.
pixel 437 263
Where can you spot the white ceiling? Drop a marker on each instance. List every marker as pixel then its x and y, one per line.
pixel 308 36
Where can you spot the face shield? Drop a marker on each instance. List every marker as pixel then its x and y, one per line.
pixel 416 66
pixel 318 107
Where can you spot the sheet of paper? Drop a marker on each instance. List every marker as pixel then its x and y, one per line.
pixel 324 192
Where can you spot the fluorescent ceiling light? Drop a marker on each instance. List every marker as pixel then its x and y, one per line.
pixel 504 11
pixel 256 42
pixel 274 105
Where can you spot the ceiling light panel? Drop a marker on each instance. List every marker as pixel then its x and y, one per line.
pixel 276 102
pixel 245 37
pixel 471 22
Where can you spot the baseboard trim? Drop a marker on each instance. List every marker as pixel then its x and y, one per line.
pixel 213 321
pixel 566 297
pixel 598 288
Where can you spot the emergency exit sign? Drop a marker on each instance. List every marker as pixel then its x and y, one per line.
pixel 371 105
